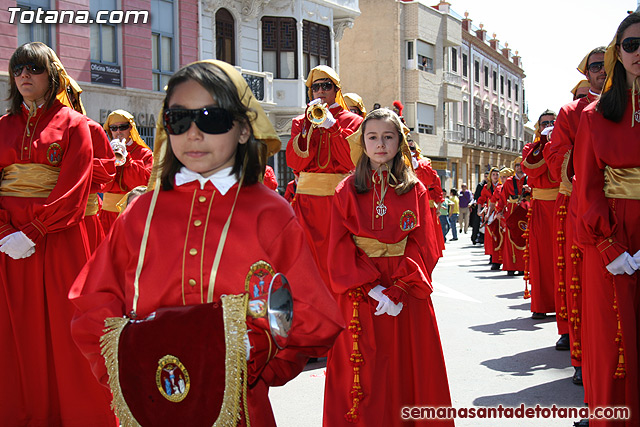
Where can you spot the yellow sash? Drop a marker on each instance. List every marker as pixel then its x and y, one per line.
pixel 376 249
pixel 93 205
pixel 432 204
pixel 110 201
pixel 622 183
pixel 318 184
pixel 545 193
pixel 565 188
pixel 28 180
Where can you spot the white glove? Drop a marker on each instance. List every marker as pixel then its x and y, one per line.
pixel 385 305
pixel 247 344
pixel 623 264
pixel 414 162
pixel 547 130
pixel 119 148
pixel 314 102
pixel 636 256
pixel 329 121
pixel 18 245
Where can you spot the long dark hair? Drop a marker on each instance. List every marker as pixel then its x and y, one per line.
pixel 39 54
pixel 224 92
pixel 613 102
pixel 403 173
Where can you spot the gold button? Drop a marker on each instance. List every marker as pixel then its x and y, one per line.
pixel 193 251
pixel 26 148
pixel 192 282
pixel 377 216
pixel 202 199
pixel 197 223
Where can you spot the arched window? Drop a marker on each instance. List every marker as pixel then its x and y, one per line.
pixel 225 35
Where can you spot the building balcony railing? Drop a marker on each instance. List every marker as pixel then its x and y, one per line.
pixel 260 83
pixel 452 136
pixel 451 78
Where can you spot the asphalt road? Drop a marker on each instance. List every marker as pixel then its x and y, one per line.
pixel 495 353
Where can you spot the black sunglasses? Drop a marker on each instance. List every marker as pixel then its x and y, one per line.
pixel 122 127
pixel 31 69
pixel 324 85
pixel 547 123
pixel 630 44
pixel 211 120
pixel 595 67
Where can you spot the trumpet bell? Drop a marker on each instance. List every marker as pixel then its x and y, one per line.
pixel 317 114
pixel 274 310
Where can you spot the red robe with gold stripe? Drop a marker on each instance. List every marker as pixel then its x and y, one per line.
pixel 180 252
pixel 513 255
pixel 493 245
pixel 327 151
pixel 606 227
pixel 402 357
pixel 47 381
pixel 431 180
pixel 541 232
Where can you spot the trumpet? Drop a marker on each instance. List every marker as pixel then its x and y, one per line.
pixel 273 311
pixel 317 114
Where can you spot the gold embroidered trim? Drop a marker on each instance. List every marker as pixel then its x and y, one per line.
pixel 93 205
pixel 296 147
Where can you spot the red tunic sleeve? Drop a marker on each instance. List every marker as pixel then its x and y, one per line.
pixel 137 169
pixel 270 178
pixel 561 142
pixel 485 195
pixel 104 161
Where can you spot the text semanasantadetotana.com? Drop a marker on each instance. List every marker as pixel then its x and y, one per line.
pixel 42 16
pixel 522 411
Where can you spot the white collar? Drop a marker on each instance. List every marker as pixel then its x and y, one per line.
pixel 593 93
pixel 223 180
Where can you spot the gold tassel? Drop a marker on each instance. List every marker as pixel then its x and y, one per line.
pixel 357 360
pixel 574 320
pixel 526 276
pixel 560 239
pixel 620 368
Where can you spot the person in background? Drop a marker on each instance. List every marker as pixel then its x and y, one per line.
pixel 443 212
pixel 269 178
pixel 133 163
pixel 476 235
pixel 454 211
pixel 355 104
pixel 466 199
pixel 581 89
pixel 290 191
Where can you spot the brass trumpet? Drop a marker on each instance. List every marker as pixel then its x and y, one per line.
pixel 317 114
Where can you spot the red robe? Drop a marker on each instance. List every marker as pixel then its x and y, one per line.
pixel 512 255
pixel 290 191
pixel 403 361
pixel 104 170
pixel 492 246
pixel 270 178
pixel 606 227
pixel 541 232
pixel 558 155
pixel 431 180
pixel 263 228
pixel 328 152
pixel 47 381
pixel 135 171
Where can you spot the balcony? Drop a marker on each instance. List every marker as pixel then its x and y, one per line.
pixel 452 136
pixel 261 84
pixel 452 87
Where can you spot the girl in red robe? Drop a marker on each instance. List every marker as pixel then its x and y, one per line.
pixel 607 161
pixel 382 251
pixel 201 177
pixel 46 161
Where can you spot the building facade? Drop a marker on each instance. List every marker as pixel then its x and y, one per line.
pixel 126 65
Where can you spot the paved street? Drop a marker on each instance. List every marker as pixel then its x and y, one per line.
pixel 495 353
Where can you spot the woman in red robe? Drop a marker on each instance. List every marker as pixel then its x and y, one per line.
pixel 382 252
pixel 200 181
pixel 607 161
pixel 492 233
pixel 46 160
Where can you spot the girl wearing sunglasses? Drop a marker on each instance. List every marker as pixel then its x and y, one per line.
pixel 46 162
pixel 210 157
pixel 134 160
pixel 607 163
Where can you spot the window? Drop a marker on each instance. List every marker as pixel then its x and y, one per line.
pixel 279 47
pixel 409 50
pixel 516 92
pixel 478 178
pixel 225 37
pixel 454 60
pixel 486 76
pixel 509 89
pixel 495 81
pixel 316 46
pixel 501 85
pixel 103 36
pixel 465 65
pixel 147 133
pixel 35 32
pixel 162 49
pixel 476 71
pixel 425 56
pixel 426 119
pixel 283 172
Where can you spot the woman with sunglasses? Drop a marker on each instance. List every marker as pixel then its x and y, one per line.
pixel 133 163
pixel 208 201
pixel 607 163
pixel 46 161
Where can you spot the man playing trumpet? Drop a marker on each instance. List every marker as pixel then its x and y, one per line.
pixel 319 152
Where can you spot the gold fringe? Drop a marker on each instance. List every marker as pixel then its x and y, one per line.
pixel 527 294
pixel 560 263
pixel 296 147
pixel 576 293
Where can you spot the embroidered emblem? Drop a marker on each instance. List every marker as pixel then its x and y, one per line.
pixel 522 225
pixel 172 379
pixel 636 116
pixel 54 154
pixel 258 278
pixel 536 151
pixel 408 221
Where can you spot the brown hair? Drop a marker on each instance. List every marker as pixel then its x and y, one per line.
pixel 215 81
pixel 407 179
pixel 39 54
